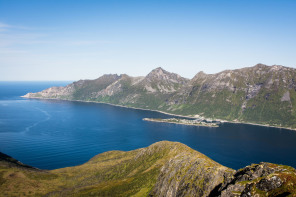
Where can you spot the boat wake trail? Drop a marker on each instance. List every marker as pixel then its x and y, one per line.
pixel 47 117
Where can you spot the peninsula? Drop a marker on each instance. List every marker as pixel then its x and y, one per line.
pixel 264 95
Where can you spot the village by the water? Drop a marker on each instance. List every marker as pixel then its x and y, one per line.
pixel 193 122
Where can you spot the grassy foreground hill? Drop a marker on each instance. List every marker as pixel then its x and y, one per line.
pixel 162 169
pixel 260 94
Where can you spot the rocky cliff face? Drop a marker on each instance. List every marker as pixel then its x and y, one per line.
pixel 163 169
pixel 259 180
pixel 259 94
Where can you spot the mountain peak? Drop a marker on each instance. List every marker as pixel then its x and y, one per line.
pixel 160 80
pixel 260 65
pixel 159 70
pixel 161 74
pixel 158 73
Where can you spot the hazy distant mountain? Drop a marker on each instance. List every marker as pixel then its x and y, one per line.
pixel 162 169
pixel 259 94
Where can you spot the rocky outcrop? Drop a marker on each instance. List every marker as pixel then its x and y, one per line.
pixel 260 180
pixel 286 96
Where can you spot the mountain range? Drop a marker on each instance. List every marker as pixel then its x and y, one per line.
pixel 260 94
pixel 165 169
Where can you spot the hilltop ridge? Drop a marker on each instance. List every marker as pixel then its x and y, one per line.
pixel 162 169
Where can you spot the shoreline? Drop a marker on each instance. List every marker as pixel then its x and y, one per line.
pixel 162 121
pixel 170 114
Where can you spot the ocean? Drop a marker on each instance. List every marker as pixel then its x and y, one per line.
pixel 50 134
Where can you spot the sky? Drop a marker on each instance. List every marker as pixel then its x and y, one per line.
pixel 72 40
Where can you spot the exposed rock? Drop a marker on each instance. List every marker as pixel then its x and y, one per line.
pixel 159 80
pixel 111 89
pixel 258 179
pixel 286 97
pixel 253 90
pixel 267 184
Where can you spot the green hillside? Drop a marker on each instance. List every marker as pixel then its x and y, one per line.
pixel 162 169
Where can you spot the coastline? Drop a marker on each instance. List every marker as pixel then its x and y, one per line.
pixel 170 114
pixel 188 124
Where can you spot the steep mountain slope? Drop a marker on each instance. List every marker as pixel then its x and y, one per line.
pixel 260 94
pixel 162 169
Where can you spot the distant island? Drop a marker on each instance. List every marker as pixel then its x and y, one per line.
pixel 264 95
pixel 195 122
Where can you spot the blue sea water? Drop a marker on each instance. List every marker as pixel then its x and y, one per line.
pixel 51 134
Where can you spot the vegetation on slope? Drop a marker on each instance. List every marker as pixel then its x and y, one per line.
pixel 162 169
pixel 117 173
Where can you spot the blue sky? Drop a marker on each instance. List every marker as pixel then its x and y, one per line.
pixel 71 40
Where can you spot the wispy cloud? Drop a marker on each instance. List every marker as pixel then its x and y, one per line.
pixel 19 45
pixel 11 35
pixel 13 38
pixel 12 52
pixel 3 25
pixel 6 27
pixel 86 42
